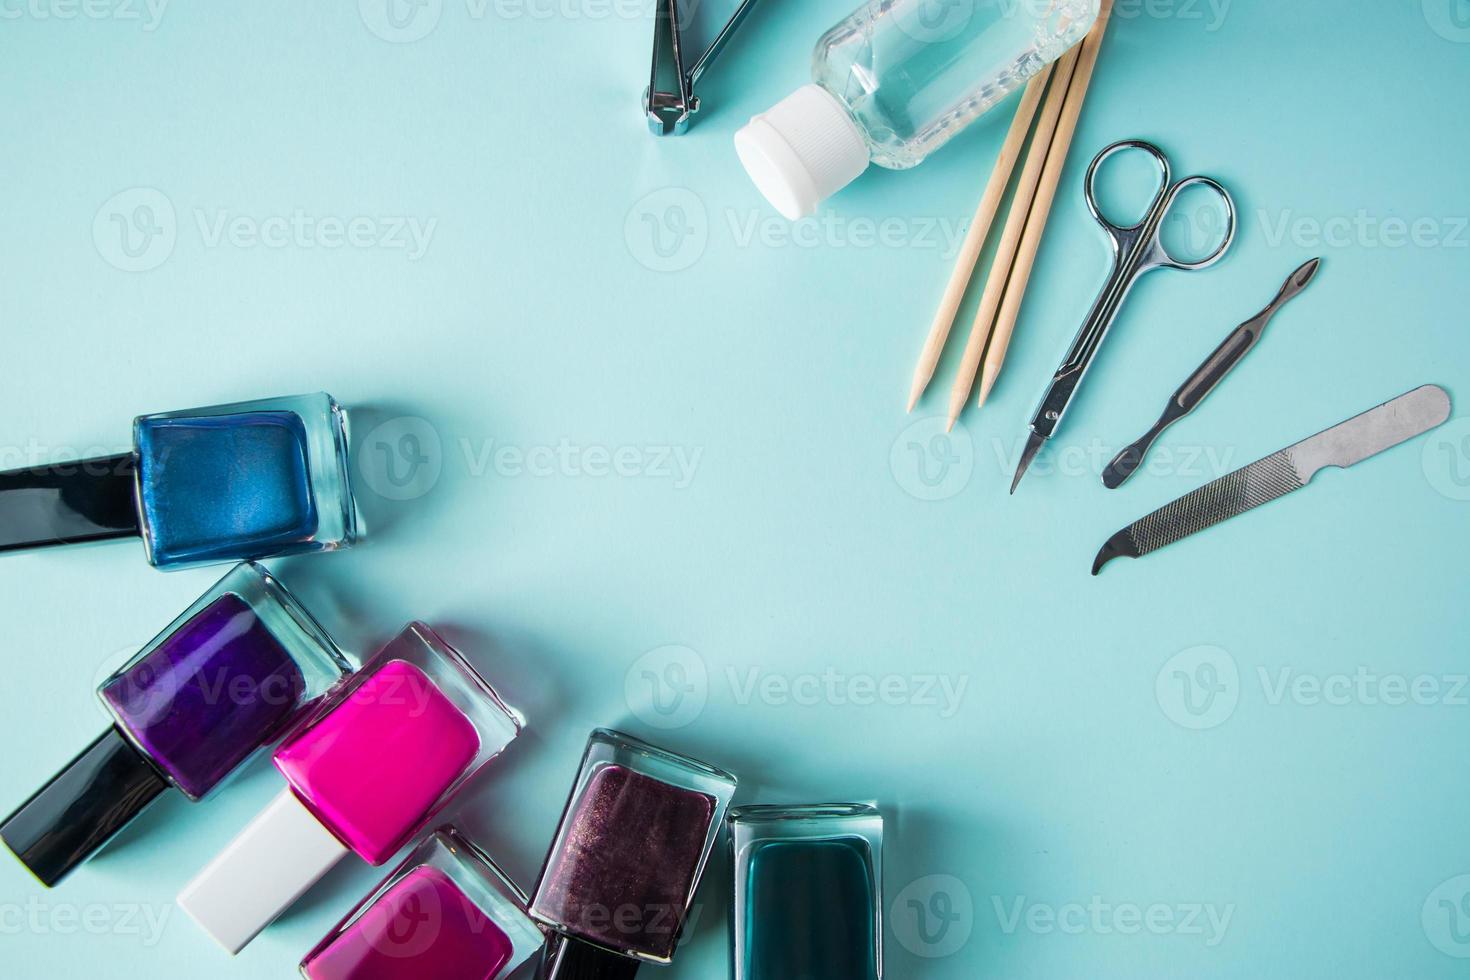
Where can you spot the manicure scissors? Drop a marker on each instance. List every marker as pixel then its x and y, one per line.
pixel 1137 249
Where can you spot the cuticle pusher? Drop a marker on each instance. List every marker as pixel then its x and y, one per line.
pixel 1231 351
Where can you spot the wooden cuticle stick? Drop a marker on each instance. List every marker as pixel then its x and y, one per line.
pixel 974 243
pixel 1056 161
pixel 1026 188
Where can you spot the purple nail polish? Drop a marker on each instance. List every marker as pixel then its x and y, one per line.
pixel 215 690
pixel 225 679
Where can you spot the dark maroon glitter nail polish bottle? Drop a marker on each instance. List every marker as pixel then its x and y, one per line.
pixel 627 857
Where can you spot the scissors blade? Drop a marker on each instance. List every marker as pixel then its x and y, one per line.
pixel 1034 442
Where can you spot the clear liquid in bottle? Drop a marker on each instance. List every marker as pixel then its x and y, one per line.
pixel 896 80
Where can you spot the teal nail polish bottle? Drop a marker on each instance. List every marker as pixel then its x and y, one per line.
pixel 808 892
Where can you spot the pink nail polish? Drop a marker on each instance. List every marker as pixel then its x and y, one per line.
pixel 396 730
pixel 366 772
pixel 447 912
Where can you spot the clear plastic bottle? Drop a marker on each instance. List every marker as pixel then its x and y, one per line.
pixel 895 81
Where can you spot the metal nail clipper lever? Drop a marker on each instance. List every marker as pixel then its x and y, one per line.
pixel 1207 376
pixel 669 101
pixel 1345 444
pixel 1137 249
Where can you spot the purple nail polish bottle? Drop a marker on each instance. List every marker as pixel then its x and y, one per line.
pixel 168 700
pixel 226 679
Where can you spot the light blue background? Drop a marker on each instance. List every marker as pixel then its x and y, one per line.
pixel 538 317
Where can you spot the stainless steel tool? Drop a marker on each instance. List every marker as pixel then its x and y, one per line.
pixel 669 100
pixel 1137 249
pixel 1292 468
pixel 1232 349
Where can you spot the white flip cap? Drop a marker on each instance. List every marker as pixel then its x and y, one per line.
pixel 802 150
pixel 272 863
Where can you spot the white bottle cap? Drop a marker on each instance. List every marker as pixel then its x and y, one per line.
pixel 802 150
pixel 271 864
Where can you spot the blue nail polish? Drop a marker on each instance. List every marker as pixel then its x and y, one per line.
pixel 227 483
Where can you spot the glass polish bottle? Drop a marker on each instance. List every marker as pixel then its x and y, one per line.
pixel 225 679
pixel 225 483
pixel 365 771
pixel 808 896
pixel 895 81
pixel 631 848
pixel 447 912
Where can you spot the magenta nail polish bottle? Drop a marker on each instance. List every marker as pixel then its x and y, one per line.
pixel 365 773
pixel 447 912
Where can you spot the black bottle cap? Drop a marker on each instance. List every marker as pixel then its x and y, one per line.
pixel 565 958
pixel 65 503
pixel 81 808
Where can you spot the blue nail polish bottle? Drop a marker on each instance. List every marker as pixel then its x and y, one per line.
pixel 227 483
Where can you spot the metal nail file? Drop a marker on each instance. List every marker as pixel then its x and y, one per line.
pixel 1231 351
pixel 1292 468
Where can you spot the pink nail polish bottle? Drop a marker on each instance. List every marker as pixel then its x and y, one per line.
pixel 447 912
pixel 365 773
